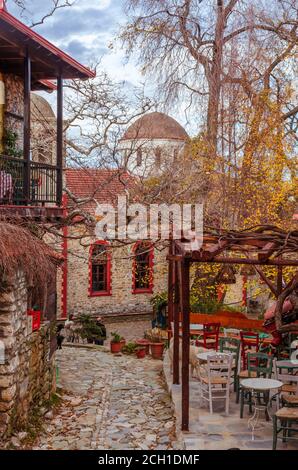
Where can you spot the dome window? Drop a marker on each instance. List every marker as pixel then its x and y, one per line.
pixel 139 157
pixel 158 157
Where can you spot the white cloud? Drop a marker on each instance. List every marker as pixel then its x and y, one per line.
pixel 97 4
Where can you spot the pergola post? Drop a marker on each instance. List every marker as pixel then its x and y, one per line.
pixel 27 112
pixel 279 286
pixel 183 269
pixel 170 292
pixel 176 312
pixel 59 139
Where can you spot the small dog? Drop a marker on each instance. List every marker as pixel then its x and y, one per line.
pixel 193 360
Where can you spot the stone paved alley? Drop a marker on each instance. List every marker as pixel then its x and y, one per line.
pixel 109 403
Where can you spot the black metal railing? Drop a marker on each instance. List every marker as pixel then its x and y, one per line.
pixel 20 185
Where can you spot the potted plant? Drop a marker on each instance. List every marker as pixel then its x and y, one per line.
pixel 117 343
pixel 157 348
pixel 90 330
pixel 157 343
pixel 129 348
pixel 145 343
pixel 141 352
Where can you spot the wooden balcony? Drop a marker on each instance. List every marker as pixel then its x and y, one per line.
pixel 30 189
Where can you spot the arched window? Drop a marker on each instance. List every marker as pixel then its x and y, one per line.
pixel 139 157
pixel 100 269
pixel 143 268
pixel 158 157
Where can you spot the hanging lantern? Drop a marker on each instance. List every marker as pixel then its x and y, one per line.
pixel 247 270
pixel 226 275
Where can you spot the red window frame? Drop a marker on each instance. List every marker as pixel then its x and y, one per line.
pixel 149 289
pixel 108 291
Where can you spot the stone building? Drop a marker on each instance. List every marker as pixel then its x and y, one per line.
pixel 152 143
pixel 43 130
pixel 101 277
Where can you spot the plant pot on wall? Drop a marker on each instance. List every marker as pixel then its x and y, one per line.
pixel 157 350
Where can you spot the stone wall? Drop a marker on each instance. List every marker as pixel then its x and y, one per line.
pixel 121 301
pixel 14 107
pixel 27 376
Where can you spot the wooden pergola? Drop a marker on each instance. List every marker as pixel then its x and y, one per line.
pixel 261 246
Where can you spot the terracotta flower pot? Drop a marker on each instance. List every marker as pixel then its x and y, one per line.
pixel 157 350
pixel 145 343
pixel 141 353
pixel 116 347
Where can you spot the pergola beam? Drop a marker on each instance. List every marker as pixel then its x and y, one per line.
pixel 196 257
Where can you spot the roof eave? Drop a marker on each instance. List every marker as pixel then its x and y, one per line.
pixel 40 41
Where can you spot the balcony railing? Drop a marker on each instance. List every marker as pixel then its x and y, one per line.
pixel 28 184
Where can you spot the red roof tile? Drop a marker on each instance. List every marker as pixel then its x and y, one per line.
pixel 102 185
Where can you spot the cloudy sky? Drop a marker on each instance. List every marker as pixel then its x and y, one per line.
pixel 85 31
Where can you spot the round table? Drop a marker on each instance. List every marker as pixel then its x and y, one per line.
pixel 261 385
pixel 256 386
pixel 196 327
pixel 204 355
pixel 287 364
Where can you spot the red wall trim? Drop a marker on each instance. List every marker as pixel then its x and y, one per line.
pixel 148 290
pixel 108 292
pixel 65 264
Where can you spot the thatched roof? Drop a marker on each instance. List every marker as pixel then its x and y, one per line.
pixel 21 250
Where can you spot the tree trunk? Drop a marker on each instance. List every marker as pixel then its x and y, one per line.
pixel 215 82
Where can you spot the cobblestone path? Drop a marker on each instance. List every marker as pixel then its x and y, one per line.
pixel 109 402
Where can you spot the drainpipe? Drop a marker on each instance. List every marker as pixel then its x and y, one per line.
pixel 2 105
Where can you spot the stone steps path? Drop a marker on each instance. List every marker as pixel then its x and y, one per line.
pixel 109 402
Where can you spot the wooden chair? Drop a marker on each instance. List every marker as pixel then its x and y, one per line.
pixel 231 332
pixel 210 336
pixel 259 365
pixel 232 345
pixel 286 417
pixel 249 343
pixel 288 374
pixel 215 385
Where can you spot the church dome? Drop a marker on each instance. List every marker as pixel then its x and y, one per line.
pixel 155 125
pixel 40 107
